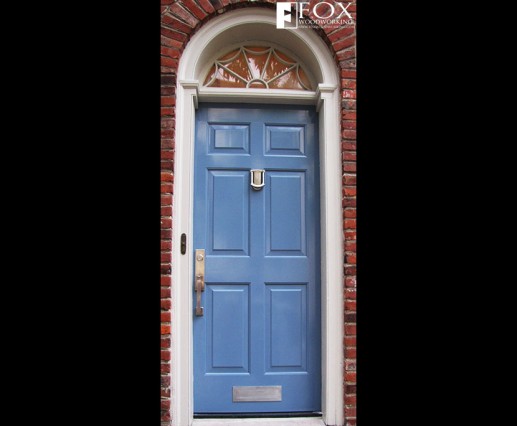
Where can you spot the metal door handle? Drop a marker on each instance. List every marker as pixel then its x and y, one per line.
pixel 199 280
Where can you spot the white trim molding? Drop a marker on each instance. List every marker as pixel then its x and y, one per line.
pixel 230 28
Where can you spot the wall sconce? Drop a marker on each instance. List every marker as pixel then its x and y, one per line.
pixel 257 179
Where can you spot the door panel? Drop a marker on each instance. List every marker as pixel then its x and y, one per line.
pixel 259 338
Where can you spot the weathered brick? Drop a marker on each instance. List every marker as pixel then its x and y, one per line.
pixel 185 16
pixel 175 35
pixel 174 23
pixel 206 5
pixel 166 211
pixel 343 44
pixel 341 33
pixel 193 8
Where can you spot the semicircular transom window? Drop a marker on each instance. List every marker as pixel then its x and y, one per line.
pixel 257 67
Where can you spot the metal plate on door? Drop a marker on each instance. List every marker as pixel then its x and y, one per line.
pixel 257 393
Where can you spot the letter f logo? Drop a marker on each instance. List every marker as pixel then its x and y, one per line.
pixel 284 15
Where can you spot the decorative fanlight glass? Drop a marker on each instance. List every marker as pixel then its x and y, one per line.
pixel 257 67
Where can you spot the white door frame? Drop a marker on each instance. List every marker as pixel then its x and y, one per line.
pixel 230 28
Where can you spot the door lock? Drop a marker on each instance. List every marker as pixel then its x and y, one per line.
pixel 199 286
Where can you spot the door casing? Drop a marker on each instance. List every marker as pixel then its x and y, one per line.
pixel 227 29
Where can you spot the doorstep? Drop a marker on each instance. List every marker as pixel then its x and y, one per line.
pixel 294 421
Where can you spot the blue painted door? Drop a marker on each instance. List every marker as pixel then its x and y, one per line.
pixel 260 332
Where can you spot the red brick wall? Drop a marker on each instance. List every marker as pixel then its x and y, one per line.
pixel 179 21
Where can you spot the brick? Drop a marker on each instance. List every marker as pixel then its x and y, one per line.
pixel 168 62
pixel 348 84
pixel 195 9
pixel 166 111
pixel 175 35
pixel 348 74
pixel 350 246
pixel 348 146
pixel 185 16
pixel 167 133
pixel 350 305
pixel 165 268
pixel 166 177
pixel 165 329
pixel 350 293
pixel 166 200
pixel 349 115
pixel 165 343
pixel 350 282
pixel 351 259
pixel 165 316
pixel 177 25
pixel 166 41
pixel 349 104
pixel 343 44
pixel 165 404
pixel 167 123
pixel 166 82
pixel 350 365
pixel 341 34
pixel 165 281
pixel 348 202
pixel 350 317
pixel 165 355
pixel 166 165
pixel 167 143
pixel 347 134
pixel 165 393
pixel 167 155
pixel 168 100
pixel 166 415
pixel 347 64
pixel 350 411
pixel 351 352
pixel 349 167
pixel 165 369
pixel 350 235
pixel 349 125
pixel 348 94
pixel 350 270
pixel 350 342
pixel 165 292
pixel 350 224
pixel 349 179
pixel 165 303
pixel 165 381
pixel 349 156
pixel 351 389
pixel 165 245
pixel 165 257
pixel 217 4
pixel 350 212
pixel 166 211
pixel 167 1
pixel 206 5
pixel 167 187
pixel 350 329
pixel 170 52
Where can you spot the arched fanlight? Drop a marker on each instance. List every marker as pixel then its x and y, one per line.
pixel 257 67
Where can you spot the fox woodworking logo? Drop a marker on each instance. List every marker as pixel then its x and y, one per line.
pixel 326 15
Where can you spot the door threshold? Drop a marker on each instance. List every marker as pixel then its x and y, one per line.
pixel 292 421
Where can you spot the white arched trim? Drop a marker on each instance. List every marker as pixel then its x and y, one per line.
pixel 255 24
